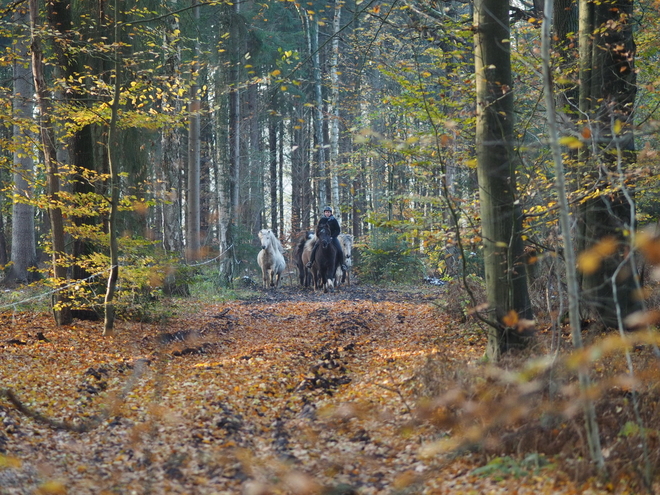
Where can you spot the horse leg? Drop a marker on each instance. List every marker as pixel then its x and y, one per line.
pixel 316 276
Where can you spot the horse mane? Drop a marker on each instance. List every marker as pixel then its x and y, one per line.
pixel 279 245
pixel 275 240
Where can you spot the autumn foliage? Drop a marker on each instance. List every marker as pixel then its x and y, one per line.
pixel 362 391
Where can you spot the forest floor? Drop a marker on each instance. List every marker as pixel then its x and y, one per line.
pixel 290 391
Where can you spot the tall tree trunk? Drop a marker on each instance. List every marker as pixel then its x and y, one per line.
pixel 235 119
pixel 113 164
pixel 272 146
pixel 506 283
pixel 23 244
pixel 256 169
pixel 607 97
pixel 319 142
pixel 223 145
pixel 280 178
pixel 296 175
pixel 333 108
pixel 593 437
pixel 61 309
pixel 169 158
pixel 193 200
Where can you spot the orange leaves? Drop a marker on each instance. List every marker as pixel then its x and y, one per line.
pixel 512 320
pixel 222 419
pixel 649 246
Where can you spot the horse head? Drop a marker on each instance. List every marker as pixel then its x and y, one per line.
pixel 347 246
pixel 323 223
pixel 323 233
pixel 264 237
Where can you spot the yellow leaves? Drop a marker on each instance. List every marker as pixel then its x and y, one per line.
pixel 589 261
pixel 141 207
pixel 9 462
pixel 52 488
pixel 571 141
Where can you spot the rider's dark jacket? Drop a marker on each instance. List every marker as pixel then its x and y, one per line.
pixel 333 224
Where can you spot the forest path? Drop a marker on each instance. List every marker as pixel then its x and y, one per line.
pixel 291 391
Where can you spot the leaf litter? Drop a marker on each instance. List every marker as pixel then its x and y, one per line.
pixel 288 392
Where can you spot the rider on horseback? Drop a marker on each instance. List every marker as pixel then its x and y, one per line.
pixel 335 230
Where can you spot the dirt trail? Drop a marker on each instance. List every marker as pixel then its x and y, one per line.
pixel 289 392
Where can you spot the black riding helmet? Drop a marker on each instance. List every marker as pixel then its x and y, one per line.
pixel 327 208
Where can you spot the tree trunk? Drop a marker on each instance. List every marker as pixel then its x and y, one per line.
pixel 280 178
pixel 235 121
pixel 319 141
pixel 296 176
pixel 607 97
pixel 224 165
pixel 168 157
pixel 193 197
pixel 333 109
pixel 113 164
pixel 593 437
pixel 61 309
pixel 23 244
pixel 256 169
pixel 506 283
pixel 272 146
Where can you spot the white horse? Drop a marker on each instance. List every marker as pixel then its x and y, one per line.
pixel 271 258
pixel 346 242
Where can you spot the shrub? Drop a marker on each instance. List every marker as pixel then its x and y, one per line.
pixel 389 259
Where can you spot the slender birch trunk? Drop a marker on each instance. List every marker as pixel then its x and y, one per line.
pixel 591 424
pixel 333 109
pixel 319 142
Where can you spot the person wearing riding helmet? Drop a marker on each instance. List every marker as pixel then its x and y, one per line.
pixel 335 230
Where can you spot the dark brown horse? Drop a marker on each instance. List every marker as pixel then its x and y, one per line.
pixel 325 260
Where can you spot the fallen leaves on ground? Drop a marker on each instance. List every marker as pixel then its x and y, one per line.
pixel 268 396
